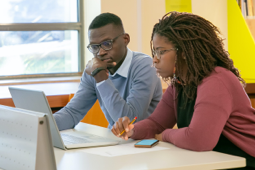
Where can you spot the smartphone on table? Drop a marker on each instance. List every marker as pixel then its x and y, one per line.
pixel 146 143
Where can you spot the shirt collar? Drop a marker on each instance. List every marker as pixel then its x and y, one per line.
pixel 123 69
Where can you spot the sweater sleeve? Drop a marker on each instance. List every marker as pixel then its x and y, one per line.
pixel 162 118
pixel 77 108
pixel 211 112
pixel 145 84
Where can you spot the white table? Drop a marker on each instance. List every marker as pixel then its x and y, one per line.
pixel 172 158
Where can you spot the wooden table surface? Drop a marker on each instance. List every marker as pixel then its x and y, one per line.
pixel 250 90
pixel 58 93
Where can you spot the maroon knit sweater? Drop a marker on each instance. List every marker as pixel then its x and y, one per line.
pixel 222 106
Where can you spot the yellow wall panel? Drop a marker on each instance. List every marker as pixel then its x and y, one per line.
pixel 241 45
pixel 178 5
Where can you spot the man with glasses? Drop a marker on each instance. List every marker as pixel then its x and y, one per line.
pixel 124 82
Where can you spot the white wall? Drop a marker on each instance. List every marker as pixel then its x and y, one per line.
pixel 216 12
pixel 139 17
pixel 127 11
pixel 152 11
pixel 92 8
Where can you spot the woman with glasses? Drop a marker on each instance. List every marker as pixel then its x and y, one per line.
pixel 206 98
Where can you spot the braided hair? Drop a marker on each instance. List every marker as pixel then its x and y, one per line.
pixel 199 41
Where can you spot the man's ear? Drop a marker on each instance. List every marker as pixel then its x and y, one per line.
pixel 126 39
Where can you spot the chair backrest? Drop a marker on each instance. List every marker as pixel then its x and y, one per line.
pixel 95 115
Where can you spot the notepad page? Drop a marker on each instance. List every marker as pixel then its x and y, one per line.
pixel 123 149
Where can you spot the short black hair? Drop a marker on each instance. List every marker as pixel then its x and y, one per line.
pixel 105 19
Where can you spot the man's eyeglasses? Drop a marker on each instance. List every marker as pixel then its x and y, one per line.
pixel 106 45
pixel 159 53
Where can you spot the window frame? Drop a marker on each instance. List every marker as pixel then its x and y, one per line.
pixel 61 26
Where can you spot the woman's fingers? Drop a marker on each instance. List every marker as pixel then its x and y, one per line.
pixel 121 127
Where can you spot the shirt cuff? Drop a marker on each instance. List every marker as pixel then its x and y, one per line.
pixel 101 82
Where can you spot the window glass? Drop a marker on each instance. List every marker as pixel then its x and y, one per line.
pixel 38 11
pixel 38 52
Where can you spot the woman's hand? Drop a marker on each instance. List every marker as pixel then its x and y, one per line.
pixel 123 124
pixel 159 137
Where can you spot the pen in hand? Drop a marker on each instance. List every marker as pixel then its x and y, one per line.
pixel 128 124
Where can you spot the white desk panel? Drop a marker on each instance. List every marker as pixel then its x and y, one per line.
pixel 25 142
pixel 172 158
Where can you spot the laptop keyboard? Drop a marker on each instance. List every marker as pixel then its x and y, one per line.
pixel 70 139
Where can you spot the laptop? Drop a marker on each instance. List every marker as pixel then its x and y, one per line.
pixel 67 139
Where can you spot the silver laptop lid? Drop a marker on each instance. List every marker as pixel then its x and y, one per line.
pixel 37 101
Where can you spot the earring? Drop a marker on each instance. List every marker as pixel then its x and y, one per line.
pixel 174 79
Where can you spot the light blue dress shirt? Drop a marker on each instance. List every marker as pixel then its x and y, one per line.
pixel 134 90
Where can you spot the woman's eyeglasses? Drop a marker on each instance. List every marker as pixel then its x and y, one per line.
pixel 159 53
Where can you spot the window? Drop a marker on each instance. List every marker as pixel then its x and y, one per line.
pixel 41 38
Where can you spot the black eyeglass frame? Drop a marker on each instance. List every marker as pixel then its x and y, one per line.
pixel 100 45
pixel 158 55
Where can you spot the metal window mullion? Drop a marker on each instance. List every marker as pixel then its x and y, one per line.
pixel 40 26
pixel 81 43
